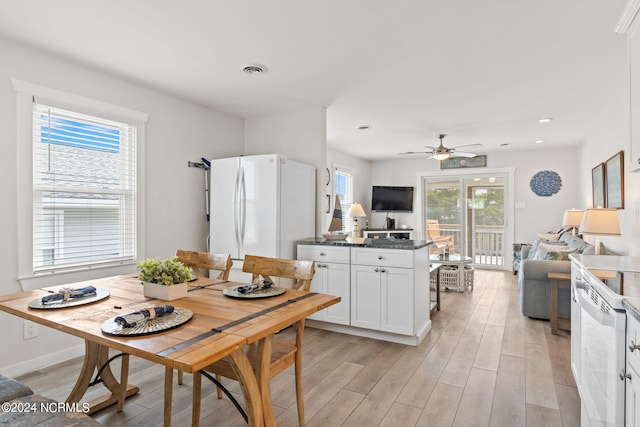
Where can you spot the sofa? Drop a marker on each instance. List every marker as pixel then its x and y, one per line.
pixel 549 253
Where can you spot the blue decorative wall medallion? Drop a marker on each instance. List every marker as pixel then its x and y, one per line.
pixel 546 183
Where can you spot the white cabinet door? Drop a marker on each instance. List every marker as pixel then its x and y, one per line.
pixel 319 285
pixel 337 279
pixel 396 300
pixel 365 296
pixel 632 397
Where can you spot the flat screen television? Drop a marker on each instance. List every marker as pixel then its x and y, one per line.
pixel 386 198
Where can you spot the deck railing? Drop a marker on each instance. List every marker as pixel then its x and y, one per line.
pixel 487 243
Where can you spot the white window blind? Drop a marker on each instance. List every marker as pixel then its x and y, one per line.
pixel 344 190
pixel 84 188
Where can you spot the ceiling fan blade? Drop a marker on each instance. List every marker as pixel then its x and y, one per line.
pixel 416 152
pixel 462 154
pixel 469 145
pixel 430 147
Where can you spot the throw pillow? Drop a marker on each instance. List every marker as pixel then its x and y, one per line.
pixel 552 252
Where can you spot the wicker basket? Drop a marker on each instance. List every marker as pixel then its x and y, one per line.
pixel 449 278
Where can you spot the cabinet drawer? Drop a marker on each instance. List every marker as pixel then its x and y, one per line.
pixel 382 257
pixel 323 253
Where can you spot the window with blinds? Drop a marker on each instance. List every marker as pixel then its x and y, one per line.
pixel 84 189
pixel 344 189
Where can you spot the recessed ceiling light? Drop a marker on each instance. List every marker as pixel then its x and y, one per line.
pixel 545 120
pixel 539 141
pixel 364 127
pixel 253 68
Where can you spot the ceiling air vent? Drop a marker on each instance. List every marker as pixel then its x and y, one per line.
pixel 253 68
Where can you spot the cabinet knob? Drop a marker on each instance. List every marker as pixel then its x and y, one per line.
pixel 380 257
pixel 633 346
pixel 383 270
pixel 376 270
pixel 322 253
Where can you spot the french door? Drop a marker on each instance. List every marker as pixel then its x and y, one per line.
pixel 472 210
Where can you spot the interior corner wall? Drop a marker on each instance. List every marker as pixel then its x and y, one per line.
pixel 177 131
pixel 299 135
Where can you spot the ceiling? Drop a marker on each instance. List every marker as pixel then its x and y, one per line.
pixel 480 71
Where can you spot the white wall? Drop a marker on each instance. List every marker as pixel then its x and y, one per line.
pixel 609 135
pixel 298 135
pixel 535 214
pixel 177 132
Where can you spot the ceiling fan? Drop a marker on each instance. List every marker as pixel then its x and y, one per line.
pixel 441 152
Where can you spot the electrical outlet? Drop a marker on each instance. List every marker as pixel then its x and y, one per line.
pixel 30 330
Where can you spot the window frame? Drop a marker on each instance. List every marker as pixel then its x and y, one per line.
pixel 347 223
pixel 26 95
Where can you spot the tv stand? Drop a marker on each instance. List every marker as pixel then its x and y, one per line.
pixel 383 233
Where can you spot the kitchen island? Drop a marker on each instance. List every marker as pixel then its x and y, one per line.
pixel 383 283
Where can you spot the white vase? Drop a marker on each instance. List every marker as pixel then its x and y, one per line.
pixel 163 292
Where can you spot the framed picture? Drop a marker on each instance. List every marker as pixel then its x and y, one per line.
pixel 478 161
pixel 614 178
pixel 597 185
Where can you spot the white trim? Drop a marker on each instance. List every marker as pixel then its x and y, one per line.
pixel 509 202
pixel 25 93
pixel 70 101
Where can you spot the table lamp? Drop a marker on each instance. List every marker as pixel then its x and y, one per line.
pixel 355 211
pixel 601 222
pixel 572 218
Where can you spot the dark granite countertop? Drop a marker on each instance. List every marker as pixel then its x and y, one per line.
pixel 368 243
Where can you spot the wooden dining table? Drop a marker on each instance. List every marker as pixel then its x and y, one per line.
pixel 220 327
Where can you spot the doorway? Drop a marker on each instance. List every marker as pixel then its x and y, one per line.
pixel 468 213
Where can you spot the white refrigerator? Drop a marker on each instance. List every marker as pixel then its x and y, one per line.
pixel 260 205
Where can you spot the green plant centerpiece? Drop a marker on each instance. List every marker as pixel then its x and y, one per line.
pixel 164 279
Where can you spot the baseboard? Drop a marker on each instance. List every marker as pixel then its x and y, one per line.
pixel 44 361
pixel 369 333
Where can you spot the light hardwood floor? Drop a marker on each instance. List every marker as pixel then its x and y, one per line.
pixel 482 364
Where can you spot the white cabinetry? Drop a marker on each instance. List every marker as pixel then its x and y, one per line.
pixel 629 24
pixel 384 291
pixel 632 391
pixel 383 282
pixel 332 277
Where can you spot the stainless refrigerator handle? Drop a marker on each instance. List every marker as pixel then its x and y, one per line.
pixel 244 205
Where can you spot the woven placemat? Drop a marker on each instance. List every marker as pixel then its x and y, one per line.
pixel 71 302
pixel 271 291
pixel 151 326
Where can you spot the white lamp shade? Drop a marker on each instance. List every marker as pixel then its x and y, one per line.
pixel 356 211
pixel 441 156
pixel 572 218
pixel 600 221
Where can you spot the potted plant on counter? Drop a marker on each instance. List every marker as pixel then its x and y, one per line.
pixel 164 279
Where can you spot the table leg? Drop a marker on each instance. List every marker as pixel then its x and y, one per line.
pixel 263 374
pixel 168 395
pixel 95 358
pixel 250 389
pixel 461 278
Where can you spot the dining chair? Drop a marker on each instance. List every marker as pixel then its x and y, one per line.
pixel 201 263
pixel 284 352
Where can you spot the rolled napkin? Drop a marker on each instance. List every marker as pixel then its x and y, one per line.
pixel 65 294
pixel 132 319
pixel 252 287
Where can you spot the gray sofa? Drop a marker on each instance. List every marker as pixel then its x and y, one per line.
pixel 539 259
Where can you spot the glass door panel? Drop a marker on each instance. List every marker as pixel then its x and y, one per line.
pixel 443 216
pixel 486 212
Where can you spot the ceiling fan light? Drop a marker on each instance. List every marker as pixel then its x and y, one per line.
pixel 441 156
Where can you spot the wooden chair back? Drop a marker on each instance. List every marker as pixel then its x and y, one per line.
pixel 439 241
pixel 201 262
pixel 301 271
pixel 433 229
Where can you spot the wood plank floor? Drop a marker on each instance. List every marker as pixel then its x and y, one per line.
pixel 482 364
